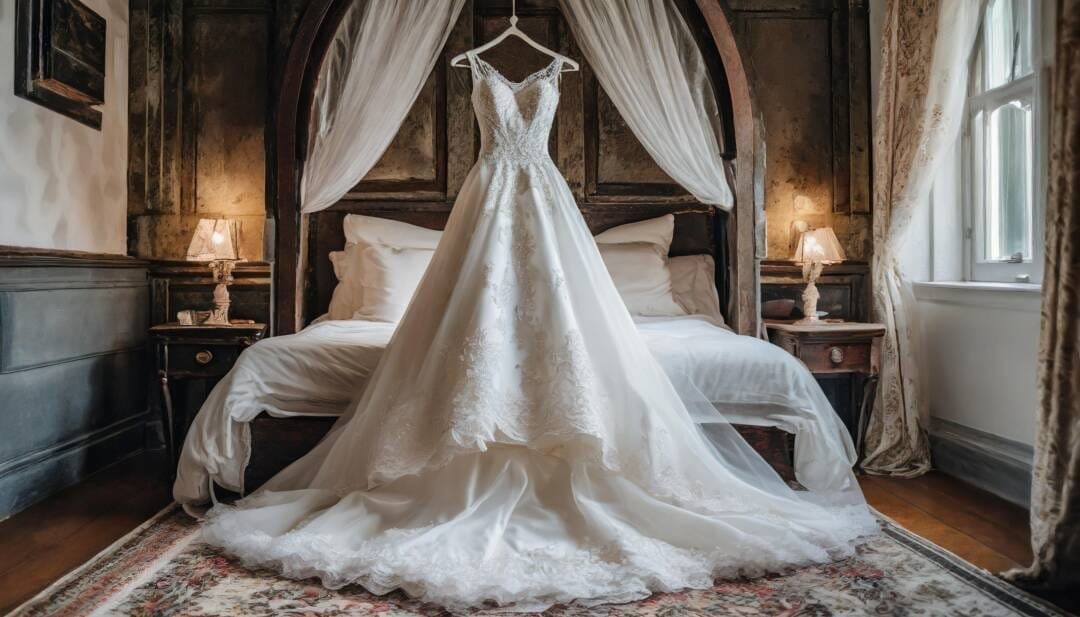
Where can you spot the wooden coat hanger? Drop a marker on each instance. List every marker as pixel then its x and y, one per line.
pixel 569 64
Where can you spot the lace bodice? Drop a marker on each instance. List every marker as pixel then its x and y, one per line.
pixel 515 117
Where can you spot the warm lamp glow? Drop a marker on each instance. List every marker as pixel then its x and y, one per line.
pixel 819 246
pixel 214 239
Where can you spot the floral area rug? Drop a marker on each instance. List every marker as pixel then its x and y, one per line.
pixel 161 568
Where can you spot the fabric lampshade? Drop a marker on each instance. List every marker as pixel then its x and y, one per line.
pixel 213 239
pixel 819 246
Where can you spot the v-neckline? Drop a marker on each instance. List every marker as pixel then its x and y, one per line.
pixel 516 86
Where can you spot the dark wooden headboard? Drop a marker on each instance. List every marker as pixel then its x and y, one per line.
pixel 608 171
pixel 698 230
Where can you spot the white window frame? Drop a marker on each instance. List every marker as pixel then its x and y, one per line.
pixel 1034 86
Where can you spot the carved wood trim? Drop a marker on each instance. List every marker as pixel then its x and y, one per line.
pixel 745 237
pixel 17 257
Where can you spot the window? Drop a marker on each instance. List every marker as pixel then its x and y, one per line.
pixel 1005 146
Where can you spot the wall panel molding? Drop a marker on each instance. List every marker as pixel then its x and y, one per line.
pixel 25 482
pixel 199 74
pixel 73 371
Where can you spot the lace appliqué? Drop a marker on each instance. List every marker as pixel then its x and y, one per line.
pixel 515 118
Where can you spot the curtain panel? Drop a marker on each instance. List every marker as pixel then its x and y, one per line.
pixel 648 62
pixel 376 65
pixel 1055 490
pixel 925 55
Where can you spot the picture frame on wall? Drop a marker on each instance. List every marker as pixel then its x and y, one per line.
pixel 60 57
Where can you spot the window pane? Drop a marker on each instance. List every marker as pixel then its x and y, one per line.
pixel 1006 41
pixel 1008 182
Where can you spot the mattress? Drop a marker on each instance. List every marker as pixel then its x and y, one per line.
pixel 319 370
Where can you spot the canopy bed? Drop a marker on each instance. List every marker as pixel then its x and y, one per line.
pixel 265 420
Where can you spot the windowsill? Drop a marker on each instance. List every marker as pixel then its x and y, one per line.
pixel 982 286
pixel 1025 297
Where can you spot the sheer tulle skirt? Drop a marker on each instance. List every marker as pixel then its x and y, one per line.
pixel 518 443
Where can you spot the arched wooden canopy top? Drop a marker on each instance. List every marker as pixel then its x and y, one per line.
pixel 313 35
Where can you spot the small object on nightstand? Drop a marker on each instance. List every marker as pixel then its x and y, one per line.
pixel 835 348
pixel 194 354
pixel 780 308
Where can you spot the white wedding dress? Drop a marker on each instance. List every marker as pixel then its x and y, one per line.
pixel 518 444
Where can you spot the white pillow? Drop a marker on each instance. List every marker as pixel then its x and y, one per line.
pixel 658 231
pixel 375 230
pixel 693 283
pixel 636 256
pixel 380 268
pixel 388 278
pixel 348 295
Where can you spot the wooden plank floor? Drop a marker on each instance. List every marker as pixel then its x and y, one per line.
pixel 40 544
pixel 45 541
pixel 973 524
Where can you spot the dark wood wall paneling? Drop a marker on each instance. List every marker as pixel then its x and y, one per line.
pixel 73 378
pixel 204 74
pixel 199 74
pixel 812 76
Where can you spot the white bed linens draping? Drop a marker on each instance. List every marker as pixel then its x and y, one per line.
pixel 318 370
pixel 648 62
pixel 379 60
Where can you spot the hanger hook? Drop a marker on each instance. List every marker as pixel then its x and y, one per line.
pixel 513 13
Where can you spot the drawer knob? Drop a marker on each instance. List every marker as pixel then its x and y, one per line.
pixel 204 356
pixel 836 355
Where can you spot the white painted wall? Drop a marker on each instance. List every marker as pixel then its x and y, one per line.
pixel 63 185
pixel 979 351
pixel 978 346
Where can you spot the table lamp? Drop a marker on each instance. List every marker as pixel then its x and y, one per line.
pixel 817 247
pixel 216 242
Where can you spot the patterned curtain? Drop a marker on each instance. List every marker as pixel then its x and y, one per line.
pixel 1055 490
pixel 925 52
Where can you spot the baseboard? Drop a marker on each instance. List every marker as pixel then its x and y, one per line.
pixel 40 474
pixel 990 462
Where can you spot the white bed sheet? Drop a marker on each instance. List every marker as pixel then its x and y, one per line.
pixel 318 370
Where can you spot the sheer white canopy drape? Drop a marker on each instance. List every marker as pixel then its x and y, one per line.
pixel 379 59
pixel 642 51
pixel 648 62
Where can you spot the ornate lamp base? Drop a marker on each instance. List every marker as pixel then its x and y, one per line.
pixel 223 269
pixel 810 294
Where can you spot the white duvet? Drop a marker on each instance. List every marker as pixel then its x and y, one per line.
pixel 320 369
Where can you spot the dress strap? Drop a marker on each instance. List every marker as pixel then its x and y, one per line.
pixel 558 64
pixel 475 66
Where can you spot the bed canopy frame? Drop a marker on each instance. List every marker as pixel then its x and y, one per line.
pixel 297 285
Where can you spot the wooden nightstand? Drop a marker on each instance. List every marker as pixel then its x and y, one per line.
pixel 198 356
pixel 841 348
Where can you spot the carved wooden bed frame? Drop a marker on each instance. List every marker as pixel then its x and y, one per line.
pixel 303 279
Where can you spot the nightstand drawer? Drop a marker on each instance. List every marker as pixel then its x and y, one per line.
pixel 836 357
pixel 201 358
